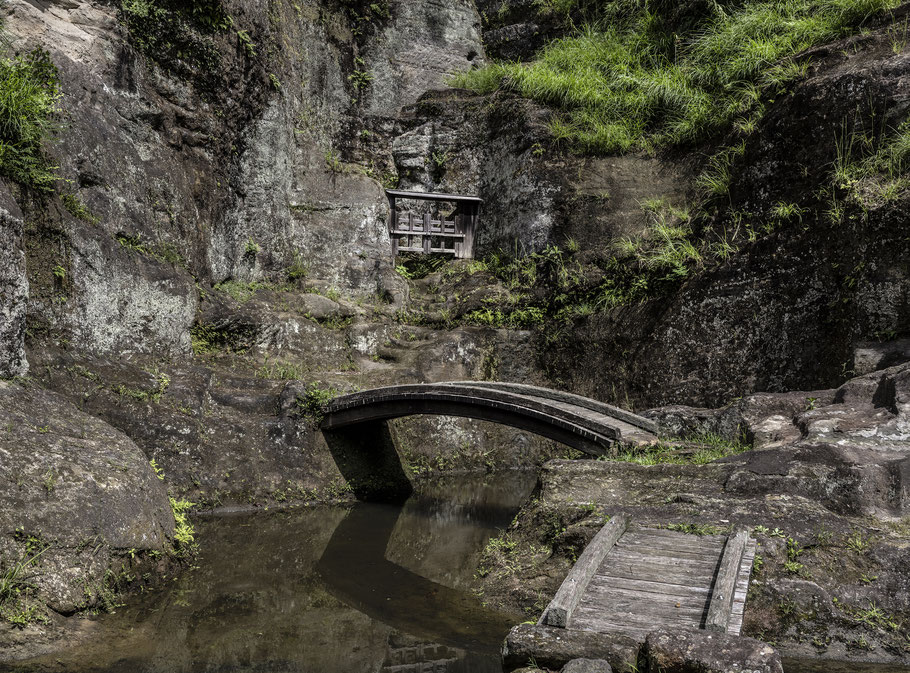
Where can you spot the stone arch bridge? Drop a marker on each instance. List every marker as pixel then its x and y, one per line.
pixel 354 424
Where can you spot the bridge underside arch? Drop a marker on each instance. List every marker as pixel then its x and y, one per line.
pixel 538 423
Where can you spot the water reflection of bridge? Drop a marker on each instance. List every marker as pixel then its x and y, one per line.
pixel 355 570
pixel 411 655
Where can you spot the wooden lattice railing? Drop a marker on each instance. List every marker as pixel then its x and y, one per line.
pixel 428 233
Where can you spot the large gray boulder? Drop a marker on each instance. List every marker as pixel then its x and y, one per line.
pixel 74 485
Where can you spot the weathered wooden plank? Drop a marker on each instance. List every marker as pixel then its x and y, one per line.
pixel 618 620
pixel 672 577
pixel 672 537
pixel 664 542
pixel 670 547
pixel 609 604
pixel 646 587
pixel 639 569
pixel 636 631
pixel 635 616
pixel 436 234
pixel 735 625
pixel 727 574
pixel 614 593
pixel 664 557
pixel 432 196
pixel 570 592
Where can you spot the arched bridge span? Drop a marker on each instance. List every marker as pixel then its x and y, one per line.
pixel 585 424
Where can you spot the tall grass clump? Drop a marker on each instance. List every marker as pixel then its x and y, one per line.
pixel 29 95
pixel 630 80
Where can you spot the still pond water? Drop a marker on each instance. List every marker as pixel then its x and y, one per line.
pixel 369 589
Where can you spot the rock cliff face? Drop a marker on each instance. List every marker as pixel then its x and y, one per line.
pixel 231 174
pixel 803 306
pixel 240 155
pixel 535 193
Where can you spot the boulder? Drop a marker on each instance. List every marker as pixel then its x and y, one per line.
pixel 77 488
pixel 553 648
pixel 706 652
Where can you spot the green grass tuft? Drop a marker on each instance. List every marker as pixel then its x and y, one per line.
pixel 29 97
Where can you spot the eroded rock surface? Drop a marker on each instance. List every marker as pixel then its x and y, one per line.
pixel 79 493
pixel 682 652
pixel 13 289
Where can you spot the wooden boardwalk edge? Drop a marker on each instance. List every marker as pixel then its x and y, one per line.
pixel 720 608
pixel 560 609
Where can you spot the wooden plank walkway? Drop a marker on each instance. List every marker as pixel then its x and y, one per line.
pixel 634 580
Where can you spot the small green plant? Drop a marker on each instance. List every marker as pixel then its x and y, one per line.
pixel 313 402
pixel 251 250
pixel 280 370
pixel 856 542
pixel 297 270
pixel 360 78
pixel 14 587
pixel 787 211
pixel 440 159
pixel 246 43
pixel 874 617
pixel 898 35
pixel 793 567
pixel 50 481
pixel 158 471
pixel 241 292
pixel 764 530
pixel 184 533
pixel 59 273
pixel 77 208
pixel 333 162
pixel 274 81
pixel 667 451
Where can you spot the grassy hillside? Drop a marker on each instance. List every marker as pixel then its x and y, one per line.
pixel 639 75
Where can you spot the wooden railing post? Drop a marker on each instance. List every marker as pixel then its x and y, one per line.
pixel 427 240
